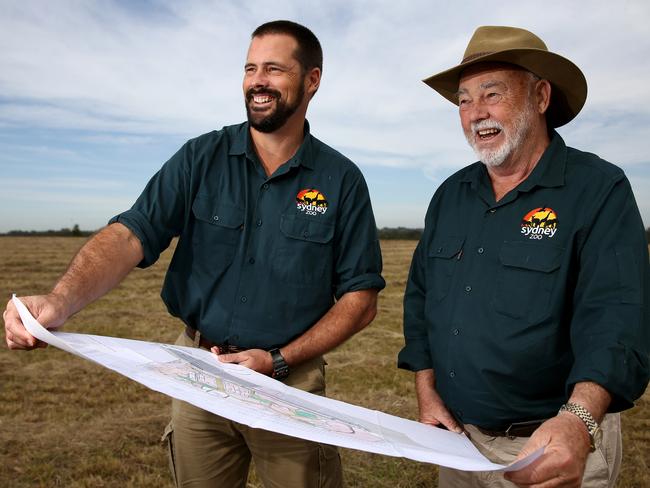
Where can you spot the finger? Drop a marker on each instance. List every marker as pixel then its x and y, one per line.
pixel 234 358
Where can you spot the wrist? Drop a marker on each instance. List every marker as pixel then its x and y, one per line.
pixel 591 426
pixel 280 368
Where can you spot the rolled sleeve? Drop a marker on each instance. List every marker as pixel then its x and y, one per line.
pixel 160 211
pixel 358 262
pixel 611 323
pixel 415 355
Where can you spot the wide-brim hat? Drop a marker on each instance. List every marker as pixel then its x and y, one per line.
pixel 522 48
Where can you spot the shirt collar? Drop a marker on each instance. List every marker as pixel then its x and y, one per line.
pixel 549 171
pixel 242 143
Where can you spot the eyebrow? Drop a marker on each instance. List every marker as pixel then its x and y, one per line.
pixel 268 63
pixel 483 86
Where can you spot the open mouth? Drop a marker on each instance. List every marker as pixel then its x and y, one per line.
pixel 487 134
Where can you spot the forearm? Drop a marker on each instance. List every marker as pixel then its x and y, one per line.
pixel 593 397
pixel 101 264
pixel 354 311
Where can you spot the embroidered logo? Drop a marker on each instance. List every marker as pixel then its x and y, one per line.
pixel 311 201
pixel 539 223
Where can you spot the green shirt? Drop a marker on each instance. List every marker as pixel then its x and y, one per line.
pixel 259 259
pixel 513 302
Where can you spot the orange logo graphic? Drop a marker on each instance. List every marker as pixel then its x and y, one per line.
pixel 311 201
pixel 539 223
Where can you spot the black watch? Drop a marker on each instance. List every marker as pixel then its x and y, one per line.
pixel 280 366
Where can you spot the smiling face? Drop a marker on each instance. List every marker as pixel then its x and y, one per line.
pixel 274 83
pixel 497 111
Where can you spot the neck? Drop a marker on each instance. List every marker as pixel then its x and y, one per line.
pixel 277 147
pixel 519 165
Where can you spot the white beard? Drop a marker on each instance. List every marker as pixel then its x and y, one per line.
pixel 513 137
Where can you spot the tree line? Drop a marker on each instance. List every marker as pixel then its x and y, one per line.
pixel 389 233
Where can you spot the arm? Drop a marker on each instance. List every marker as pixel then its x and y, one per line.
pixel 609 337
pixel 354 311
pixel 99 266
pixel 565 440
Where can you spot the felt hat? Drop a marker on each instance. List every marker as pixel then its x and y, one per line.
pixel 522 48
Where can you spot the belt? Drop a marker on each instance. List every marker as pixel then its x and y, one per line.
pixel 208 344
pixel 518 429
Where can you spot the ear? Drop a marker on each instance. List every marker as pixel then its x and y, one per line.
pixel 542 95
pixel 312 81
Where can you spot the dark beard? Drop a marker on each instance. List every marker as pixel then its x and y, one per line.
pixel 279 116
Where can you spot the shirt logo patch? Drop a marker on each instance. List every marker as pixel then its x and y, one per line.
pixel 539 223
pixel 311 201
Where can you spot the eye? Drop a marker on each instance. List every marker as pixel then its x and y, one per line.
pixel 493 97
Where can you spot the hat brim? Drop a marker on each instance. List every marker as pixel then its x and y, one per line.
pixel 568 84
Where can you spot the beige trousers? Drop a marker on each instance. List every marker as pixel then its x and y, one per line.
pixel 209 451
pixel 601 471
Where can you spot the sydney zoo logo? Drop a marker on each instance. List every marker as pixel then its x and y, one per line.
pixel 539 223
pixel 311 201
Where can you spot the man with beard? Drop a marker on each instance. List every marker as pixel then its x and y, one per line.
pixel 277 262
pixel 526 308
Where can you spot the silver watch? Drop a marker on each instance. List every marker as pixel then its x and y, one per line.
pixel 595 433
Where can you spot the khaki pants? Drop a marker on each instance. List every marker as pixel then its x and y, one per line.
pixel 206 450
pixel 601 471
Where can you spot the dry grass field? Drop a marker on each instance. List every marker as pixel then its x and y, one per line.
pixel 65 422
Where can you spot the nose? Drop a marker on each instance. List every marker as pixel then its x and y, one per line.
pixel 257 79
pixel 478 111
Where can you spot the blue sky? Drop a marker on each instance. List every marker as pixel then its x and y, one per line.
pixel 96 95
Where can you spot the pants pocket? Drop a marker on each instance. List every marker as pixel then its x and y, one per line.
pixel 168 441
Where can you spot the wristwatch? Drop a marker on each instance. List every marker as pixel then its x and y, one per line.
pixel 595 433
pixel 280 366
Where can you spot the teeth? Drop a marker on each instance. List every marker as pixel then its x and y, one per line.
pixel 262 98
pixel 487 132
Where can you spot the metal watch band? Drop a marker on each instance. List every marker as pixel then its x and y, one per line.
pixel 280 366
pixel 583 414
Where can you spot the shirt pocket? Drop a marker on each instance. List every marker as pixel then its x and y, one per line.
pixel 217 230
pixel 526 278
pixel 442 261
pixel 304 253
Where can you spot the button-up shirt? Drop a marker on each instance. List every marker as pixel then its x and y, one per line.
pixel 260 259
pixel 513 302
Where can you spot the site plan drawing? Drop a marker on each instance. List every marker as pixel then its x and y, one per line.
pixel 240 394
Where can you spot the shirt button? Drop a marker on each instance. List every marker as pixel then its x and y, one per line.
pixel 468 289
pixel 305 234
pixel 439 250
pixel 492 210
pixel 455 332
pixel 244 299
pixel 265 186
pixel 480 250
pixel 251 260
pixel 259 223
pixel 216 217
pixel 452 374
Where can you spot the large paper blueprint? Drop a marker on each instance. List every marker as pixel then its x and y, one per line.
pixel 240 394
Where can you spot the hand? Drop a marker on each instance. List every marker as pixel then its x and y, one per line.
pixel 566 446
pixel 49 310
pixel 433 410
pixel 256 359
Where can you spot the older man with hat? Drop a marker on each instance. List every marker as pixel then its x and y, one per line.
pixel 526 316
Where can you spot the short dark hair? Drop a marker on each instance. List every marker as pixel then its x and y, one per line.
pixel 309 53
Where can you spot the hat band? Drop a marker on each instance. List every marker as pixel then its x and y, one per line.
pixel 472 57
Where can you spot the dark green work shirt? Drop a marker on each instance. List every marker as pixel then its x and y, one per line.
pixel 513 302
pixel 259 259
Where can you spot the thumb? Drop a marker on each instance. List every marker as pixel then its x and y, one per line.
pixel 227 358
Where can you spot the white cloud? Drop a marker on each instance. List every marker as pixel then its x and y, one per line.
pixel 130 70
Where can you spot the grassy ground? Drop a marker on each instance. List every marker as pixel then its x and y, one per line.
pixel 67 422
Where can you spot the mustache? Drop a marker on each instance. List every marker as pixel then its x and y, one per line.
pixel 486 124
pixel 251 92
